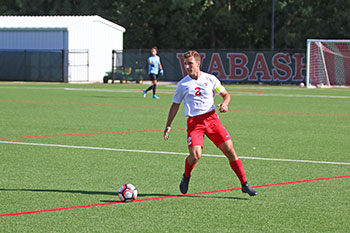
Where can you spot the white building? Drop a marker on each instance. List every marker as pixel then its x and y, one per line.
pixel 87 41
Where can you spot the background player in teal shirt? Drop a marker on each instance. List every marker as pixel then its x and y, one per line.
pixel 154 69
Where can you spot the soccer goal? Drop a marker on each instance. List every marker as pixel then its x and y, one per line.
pixel 328 63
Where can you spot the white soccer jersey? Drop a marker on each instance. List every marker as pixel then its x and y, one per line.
pixel 198 95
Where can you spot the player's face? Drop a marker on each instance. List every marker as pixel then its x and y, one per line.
pixel 192 66
pixel 154 52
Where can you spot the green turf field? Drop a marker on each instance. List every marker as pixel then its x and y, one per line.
pixel 64 147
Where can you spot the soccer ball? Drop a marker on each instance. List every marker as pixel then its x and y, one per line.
pixel 301 84
pixel 127 192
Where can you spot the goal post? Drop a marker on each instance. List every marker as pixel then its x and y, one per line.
pixel 328 63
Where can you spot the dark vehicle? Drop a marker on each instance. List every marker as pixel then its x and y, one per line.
pixel 124 75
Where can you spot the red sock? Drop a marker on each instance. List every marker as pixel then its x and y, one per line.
pixel 188 169
pixel 237 167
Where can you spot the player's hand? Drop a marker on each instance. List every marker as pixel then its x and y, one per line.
pixel 223 107
pixel 161 72
pixel 166 131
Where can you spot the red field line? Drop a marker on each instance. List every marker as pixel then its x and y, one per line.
pixel 83 134
pixel 163 107
pixel 171 196
pixel 291 113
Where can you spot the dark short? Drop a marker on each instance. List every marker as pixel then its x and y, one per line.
pixel 153 77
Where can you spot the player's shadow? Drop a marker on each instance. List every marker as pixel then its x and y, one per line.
pixel 84 192
pixel 156 195
pixel 143 195
pixel 61 191
pixel 150 195
pixel 216 197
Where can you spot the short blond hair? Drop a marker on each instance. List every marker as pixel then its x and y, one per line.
pixel 192 53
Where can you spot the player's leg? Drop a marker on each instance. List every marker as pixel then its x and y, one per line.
pixel 237 166
pixel 154 88
pixel 220 137
pixel 235 163
pixel 195 139
pixel 217 133
pixel 192 159
pixel 190 163
pixel 151 76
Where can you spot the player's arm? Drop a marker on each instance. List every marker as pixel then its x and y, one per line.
pixel 172 113
pixel 161 72
pixel 223 107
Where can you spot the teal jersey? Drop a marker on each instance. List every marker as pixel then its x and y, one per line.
pixel 153 64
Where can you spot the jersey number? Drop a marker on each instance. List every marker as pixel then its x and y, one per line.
pixel 198 91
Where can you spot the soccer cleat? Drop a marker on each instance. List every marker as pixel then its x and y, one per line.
pixel 247 189
pixel 155 97
pixel 144 93
pixel 184 184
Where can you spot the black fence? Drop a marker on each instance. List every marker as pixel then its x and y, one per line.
pixel 32 65
pixel 230 66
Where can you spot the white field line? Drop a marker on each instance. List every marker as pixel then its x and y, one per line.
pixel 172 92
pixel 167 153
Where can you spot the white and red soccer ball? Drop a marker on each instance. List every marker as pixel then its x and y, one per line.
pixel 127 192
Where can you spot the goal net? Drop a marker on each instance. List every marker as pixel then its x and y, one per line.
pixel 328 63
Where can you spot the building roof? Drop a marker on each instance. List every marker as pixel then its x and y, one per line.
pixel 19 23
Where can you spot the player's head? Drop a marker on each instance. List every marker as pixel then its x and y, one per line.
pixel 192 61
pixel 154 50
pixel 194 54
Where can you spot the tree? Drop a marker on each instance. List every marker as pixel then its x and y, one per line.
pixel 205 24
pixel 168 24
pixel 299 20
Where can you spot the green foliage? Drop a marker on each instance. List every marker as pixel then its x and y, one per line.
pixel 205 24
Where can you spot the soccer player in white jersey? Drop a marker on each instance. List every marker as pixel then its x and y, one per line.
pixel 198 89
pixel 154 68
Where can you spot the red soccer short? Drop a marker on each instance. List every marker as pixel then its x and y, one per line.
pixel 207 124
